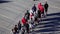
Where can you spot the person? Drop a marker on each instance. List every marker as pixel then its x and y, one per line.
pixel 31 14
pixel 46 7
pixel 16 29
pixel 41 8
pixel 34 8
pixel 19 25
pixel 27 27
pixel 31 21
pixel 35 18
pixel 30 24
pixel 39 16
pixel 23 30
pixel 13 31
pixel 39 13
pixel 24 21
pixel 27 14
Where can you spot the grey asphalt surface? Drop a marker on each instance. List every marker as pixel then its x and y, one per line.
pixel 11 11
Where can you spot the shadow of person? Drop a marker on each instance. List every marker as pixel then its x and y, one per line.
pixel 4 1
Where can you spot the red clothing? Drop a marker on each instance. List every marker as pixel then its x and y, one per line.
pixel 40 7
pixel 23 20
pixel 31 15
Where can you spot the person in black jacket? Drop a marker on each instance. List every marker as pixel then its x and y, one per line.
pixel 34 8
pixel 19 25
pixel 46 7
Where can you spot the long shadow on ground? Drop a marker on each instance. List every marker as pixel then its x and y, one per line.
pixel 54 22
pixel 3 1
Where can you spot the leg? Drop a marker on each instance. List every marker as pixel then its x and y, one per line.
pixel 43 14
pixel 46 11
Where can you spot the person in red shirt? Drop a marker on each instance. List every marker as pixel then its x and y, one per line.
pixel 24 20
pixel 41 8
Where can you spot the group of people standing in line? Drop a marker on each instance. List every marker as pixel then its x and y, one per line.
pixel 31 17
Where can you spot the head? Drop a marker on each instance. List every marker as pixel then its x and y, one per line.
pixel 46 2
pixel 27 11
pixel 15 25
pixel 19 22
pixel 40 4
pixel 12 29
pixel 34 4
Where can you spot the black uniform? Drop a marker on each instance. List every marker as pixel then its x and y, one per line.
pixel 46 7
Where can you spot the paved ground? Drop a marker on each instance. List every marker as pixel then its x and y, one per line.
pixel 11 11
